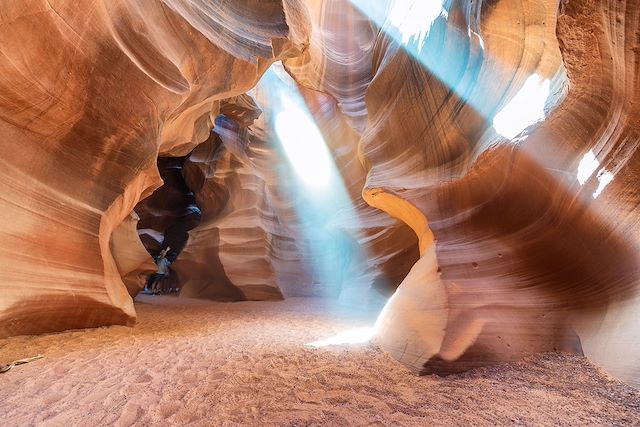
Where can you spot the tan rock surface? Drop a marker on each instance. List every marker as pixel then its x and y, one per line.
pixel 258 238
pixel 529 257
pixel 90 93
pixel 231 254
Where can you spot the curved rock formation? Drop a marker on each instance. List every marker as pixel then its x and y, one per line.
pixel 438 166
pixel 230 256
pixel 132 260
pixel 519 252
pixel 258 239
pixel 90 94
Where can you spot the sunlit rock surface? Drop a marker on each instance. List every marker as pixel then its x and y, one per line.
pixel 388 246
pixel 263 236
pixel 521 252
pixel 231 255
pixel 485 153
pixel 90 93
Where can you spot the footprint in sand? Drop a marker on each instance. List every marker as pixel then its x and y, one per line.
pixel 143 378
pixel 129 415
pixel 169 409
pixel 53 397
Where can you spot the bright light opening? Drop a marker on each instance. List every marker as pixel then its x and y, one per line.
pixel 353 336
pixel 304 146
pixel 587 167
pixel 413 18
pixel 525 109
pixel 604 178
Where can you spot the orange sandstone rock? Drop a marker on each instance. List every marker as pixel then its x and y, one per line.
pixel 90 94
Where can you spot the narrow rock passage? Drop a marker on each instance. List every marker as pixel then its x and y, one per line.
pixel 204 363
pixel 170 212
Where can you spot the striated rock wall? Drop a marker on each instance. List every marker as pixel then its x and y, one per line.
pixel 388 246
pixel 91 93
pixel 259 237
pixel 440 167
pixel 519 252
pixel 231 255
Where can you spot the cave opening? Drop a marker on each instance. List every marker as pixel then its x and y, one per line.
pixel 278 218
pixel 166 217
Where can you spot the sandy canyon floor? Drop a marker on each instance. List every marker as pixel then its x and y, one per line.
pixel 191 362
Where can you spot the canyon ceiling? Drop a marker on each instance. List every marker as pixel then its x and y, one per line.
pixel 494 247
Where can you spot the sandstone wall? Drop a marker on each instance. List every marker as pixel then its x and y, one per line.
pixel 91 92
pixel 517 254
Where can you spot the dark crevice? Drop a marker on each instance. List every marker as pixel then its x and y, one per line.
pixel 168 214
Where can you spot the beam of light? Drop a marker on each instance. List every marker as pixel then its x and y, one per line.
pixel 587 167
pixel 358 335
pixel 524 109
pixel 413 18
pixel 326 219
pixel 304 146
pixel 420 28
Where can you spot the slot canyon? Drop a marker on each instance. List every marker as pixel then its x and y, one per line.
pixel 319 212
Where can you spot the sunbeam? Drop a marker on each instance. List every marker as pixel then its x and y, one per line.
pixel 455 60
pixel 348 337
pixel 304 146
pixel 325 211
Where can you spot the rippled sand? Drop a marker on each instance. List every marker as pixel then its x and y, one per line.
pixel 205 363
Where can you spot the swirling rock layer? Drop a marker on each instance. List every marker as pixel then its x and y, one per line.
pixel 257 240
pixel 90 93
pixel 518 254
